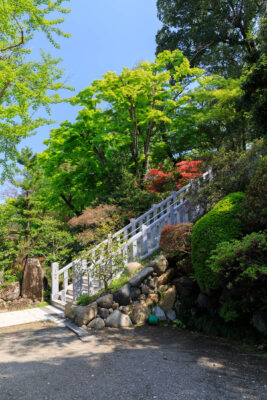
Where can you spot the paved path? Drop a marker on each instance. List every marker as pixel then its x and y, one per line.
pixel 30 315
pixel 42 361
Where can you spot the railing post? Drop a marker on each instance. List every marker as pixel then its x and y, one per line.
pixel 144 239
pixel 78 279
pixel 133 223
pixel 154 208
pixel 54 281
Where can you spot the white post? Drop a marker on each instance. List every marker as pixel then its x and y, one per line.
pixel 54 281
pixel 144 239
pixel 154 208
pixel 133 223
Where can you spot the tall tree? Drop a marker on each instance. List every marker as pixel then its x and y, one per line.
pixel 137 106
pixel 25 85
pixel 212 34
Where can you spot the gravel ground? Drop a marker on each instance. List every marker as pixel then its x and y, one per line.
pixel 42 361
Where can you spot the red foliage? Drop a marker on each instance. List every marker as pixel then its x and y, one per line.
pixel 158 181
pixel 188 170
pixel 175 239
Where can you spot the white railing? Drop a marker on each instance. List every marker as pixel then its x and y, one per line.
pixel 141 238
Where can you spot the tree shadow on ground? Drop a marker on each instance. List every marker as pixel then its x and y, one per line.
pixel 48 362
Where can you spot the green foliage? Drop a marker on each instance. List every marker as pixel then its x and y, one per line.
pixel 231 171
pixel 25 85
pixel 220 224
pixel 241 267
pixel 254 211
pixel 85 299
pixel 215 35
pixel 117 283
pixel 228 311
pixel 107 259
pixel 138 105
pixel 240 259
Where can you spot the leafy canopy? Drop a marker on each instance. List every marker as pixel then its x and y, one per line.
pixel 25 84
pixel 212 34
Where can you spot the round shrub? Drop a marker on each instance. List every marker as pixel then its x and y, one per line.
pixel 220 224
pixel 175 239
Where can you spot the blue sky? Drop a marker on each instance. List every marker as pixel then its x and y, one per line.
pixel 106 36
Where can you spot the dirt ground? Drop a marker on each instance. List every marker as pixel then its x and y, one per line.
pixel 42 361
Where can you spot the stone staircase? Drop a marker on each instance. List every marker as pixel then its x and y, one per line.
pixel 141 239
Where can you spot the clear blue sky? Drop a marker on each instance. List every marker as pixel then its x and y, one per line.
pixel 106 36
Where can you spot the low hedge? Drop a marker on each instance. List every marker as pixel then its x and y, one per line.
pixel 221 224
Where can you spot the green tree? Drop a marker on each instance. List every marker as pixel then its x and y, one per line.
pixel 212 34
pixel 124 116
pixel 25 84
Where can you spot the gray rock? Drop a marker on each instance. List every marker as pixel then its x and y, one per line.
pixel 171 315
pixel 153 283
pixel 103 312
pixel 105 301
pixel 168 300
pixel 123 295
pixel 138 279
pixel 125 309
pixel 32 282
pixel 118 320
pixel 158 312
pixel 97 323
pixel 133 267
pixel 83 315
pixel 259 321
pixel 135 293
pixel 70 310
pixel 110 310
pixel 145 289
pixel 184 286
pixel 11 292
pixel 204 301
pixel 160 264
pixel 140 314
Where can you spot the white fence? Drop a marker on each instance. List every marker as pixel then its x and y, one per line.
pixel 141 238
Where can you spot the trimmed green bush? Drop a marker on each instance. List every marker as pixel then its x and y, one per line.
pixel 218 225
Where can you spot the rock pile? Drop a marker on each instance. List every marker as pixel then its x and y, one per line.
pixel 151 290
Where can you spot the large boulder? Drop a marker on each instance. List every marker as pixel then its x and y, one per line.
pixel 70 310
pixel 11 292
pixel 140 314
pixel 118 320
pixel 32 283
pixel 132 268
pixel 166 277
pixel 105 301
pixel 123 295
pixel 136 280
pixel 184 286
pixel 160 264
pixel 97 323
pixel 85 314
pixel 167 301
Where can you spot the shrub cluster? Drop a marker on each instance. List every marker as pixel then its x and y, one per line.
pixel 175 239
pixel 218 225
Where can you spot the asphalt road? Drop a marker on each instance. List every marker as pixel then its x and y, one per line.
pixel 42 361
